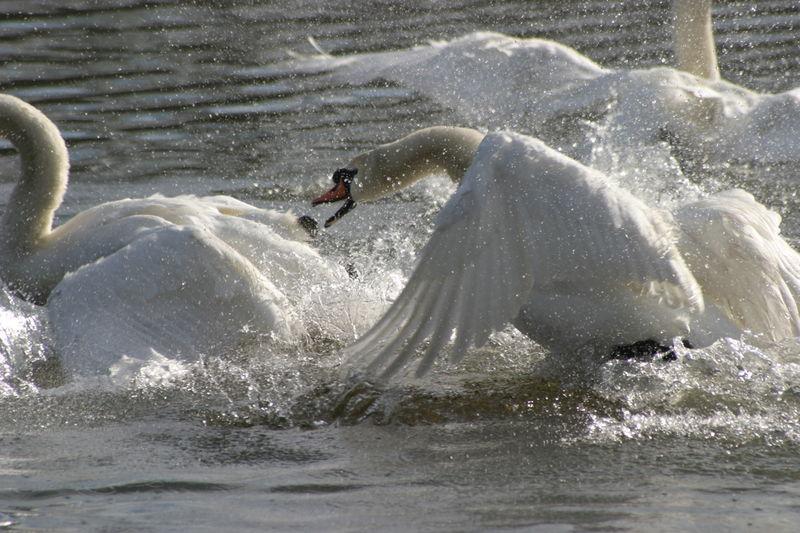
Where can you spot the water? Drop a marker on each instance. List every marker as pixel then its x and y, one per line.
pixel 200 97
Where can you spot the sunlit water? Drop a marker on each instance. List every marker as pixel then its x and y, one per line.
pixel 177 97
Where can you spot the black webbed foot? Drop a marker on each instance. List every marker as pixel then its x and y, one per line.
pixel 647 349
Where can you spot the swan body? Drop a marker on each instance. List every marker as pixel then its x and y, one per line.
pixel 180 277
pixel 550 90
pixel 534 238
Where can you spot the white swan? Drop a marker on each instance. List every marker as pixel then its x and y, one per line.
pixel 181 276
pixel 534 238
pixel 552 91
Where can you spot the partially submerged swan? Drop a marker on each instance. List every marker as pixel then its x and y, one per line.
pixel 534 238
pixel 182 276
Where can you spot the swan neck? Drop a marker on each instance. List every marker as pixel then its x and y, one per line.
pixel 695 51
pixel 43 178
pixel 399 164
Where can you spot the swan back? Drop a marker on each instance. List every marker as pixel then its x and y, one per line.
pixel 179 291
pixel 43 181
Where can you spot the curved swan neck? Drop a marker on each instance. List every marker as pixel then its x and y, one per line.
pixel 694 38
pixel 44 174
pixel 393 166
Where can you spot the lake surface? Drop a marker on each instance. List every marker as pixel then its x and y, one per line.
pixel 217 97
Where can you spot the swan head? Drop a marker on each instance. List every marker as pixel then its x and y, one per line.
pixel 391 167
pixel 342 182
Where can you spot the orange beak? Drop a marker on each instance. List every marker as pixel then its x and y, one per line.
pixel 338 192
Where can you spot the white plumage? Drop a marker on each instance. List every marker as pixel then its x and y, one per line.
pixel 551 90
pixel 185 276
pixel 534 238
pixel 748 272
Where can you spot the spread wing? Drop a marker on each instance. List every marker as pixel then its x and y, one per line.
pixel 734 247
pixel 528 81
pixel 523 215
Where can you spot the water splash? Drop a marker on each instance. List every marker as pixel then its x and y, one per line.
pixel 23 348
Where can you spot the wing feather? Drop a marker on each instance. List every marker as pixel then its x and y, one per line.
pixel 178 291
pixel 734 246
pixel 523 214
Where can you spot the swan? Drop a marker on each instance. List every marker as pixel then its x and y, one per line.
pixel 549 90
pixel 534 238
pixel 182 276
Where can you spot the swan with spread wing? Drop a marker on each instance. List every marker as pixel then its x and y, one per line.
pixel 551 90
pixel 183 276
pixel 536 239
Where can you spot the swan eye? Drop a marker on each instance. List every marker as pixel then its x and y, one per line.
pixel 344 174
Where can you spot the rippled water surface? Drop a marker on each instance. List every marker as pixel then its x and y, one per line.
pixel 205 97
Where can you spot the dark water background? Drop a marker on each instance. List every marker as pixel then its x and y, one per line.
pixel 174 97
